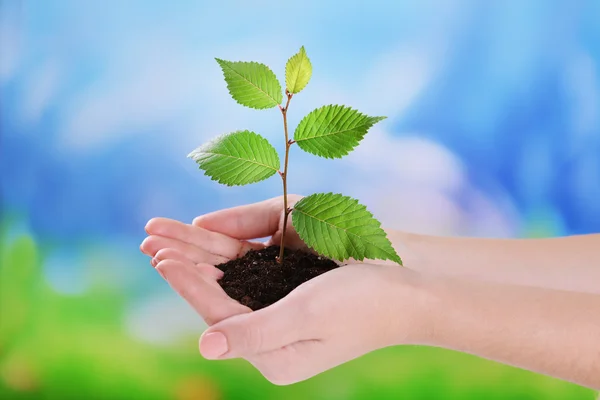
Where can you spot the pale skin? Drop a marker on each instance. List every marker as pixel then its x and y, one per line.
pixel 534 304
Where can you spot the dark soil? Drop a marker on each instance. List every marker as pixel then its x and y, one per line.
pixel 257 280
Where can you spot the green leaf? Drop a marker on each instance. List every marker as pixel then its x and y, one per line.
pixel 339 227
pixel 298 71
pixel 333 131
pixel 251 84
pixel 237 158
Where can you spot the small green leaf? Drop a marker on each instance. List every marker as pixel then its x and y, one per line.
pixel 298 71
pixel 339 227
pixel 333 131
pixel 237 158
pixel 251 84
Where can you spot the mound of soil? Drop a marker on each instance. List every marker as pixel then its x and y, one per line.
pixel 257 280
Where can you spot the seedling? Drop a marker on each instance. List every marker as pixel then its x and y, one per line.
pixel 334 225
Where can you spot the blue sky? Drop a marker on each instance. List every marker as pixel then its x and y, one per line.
pixel 493 122
pixel 105 99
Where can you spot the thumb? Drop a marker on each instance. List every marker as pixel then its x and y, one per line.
pixel 245 222
pixel 257 332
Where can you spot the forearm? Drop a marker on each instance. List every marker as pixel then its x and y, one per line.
pixel 568 263
pixel 551 332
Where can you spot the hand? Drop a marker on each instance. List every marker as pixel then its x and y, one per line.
pixel 213 239
pixel 326 321
pixel 335 317
pixel 258 220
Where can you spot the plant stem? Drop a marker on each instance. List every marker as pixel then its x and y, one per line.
pixel 288 144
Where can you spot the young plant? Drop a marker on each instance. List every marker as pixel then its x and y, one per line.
pixel 335 226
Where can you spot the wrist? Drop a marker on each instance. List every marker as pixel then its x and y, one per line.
pixel 447 310
pixel 414 307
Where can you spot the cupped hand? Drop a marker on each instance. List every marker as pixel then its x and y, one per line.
pixel 326 321
pixel 331 319
pixel 178 249
pixel 223 235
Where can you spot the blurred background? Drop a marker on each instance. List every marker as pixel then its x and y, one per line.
pixel 493 130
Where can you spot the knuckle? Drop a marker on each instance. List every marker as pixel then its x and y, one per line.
pixel 245 247
pixel 166 264
pixel 167 253
pixel 209 316
pixel 165 267
pixel 252 339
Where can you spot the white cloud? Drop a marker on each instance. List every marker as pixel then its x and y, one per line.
pixel 388 87
pixel 163 85
pixel 167 85
pixel 409 159
pixel 396 79
pixel 140 91
pixel 415 184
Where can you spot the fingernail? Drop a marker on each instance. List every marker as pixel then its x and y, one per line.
pixel 154 262
pixel 213 345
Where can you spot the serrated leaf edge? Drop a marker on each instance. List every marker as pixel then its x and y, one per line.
pixel 300 52
pixel 393 257
pixel 220 137
pixel 221 61
pixel 372 121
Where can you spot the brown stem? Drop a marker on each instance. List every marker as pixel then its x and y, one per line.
pixel 288 143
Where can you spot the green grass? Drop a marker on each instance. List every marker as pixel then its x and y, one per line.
pixel 75 347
